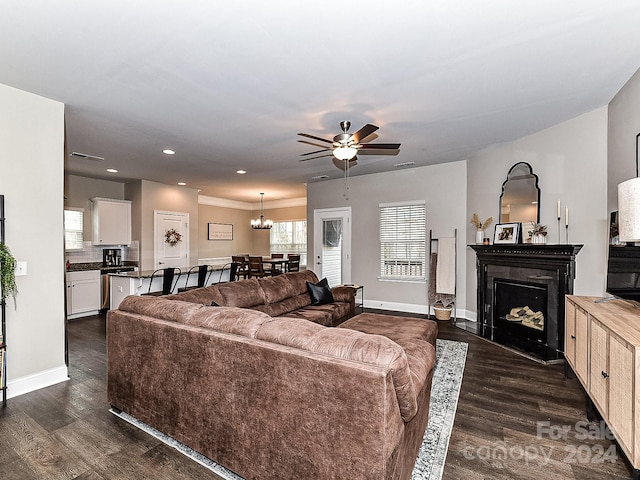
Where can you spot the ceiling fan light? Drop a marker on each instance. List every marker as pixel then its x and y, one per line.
pixel 345 152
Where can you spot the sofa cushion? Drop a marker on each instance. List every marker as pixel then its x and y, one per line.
pixel 312 314
pixel 243 294
pixel 204 295
pixel 289 305
pixel 320 292
pixel 159 307
pixel 276 288
pixel 299 280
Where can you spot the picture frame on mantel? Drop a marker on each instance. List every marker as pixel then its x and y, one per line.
pixel 507 233
pixel 220 231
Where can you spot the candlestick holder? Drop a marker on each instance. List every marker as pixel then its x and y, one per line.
pixel 566 227
pixel 559 241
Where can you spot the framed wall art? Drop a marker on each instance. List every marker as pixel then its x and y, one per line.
pixel 507 233
pixel 638 155
pixel 220 231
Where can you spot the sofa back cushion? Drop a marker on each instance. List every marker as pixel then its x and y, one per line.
pixel 204 295
pixel 242 294
pixel 276 288
pixel 299 280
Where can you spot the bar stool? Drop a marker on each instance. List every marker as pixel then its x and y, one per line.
pixel 202 277
pixel 168 274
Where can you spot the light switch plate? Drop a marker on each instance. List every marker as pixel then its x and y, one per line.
pixel 21 269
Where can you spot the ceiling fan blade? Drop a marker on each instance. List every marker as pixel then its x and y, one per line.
pixel 364 132
pixel 381 146
pixel 313 158
pixel 316 138
pixel 317 151
pixel 311 143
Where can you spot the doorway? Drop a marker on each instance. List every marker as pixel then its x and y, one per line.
pixel 169 252
pixel 332 245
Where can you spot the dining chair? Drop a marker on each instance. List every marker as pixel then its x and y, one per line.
pixel 293 264
pixel 202 271
pixel 168 274
pixel 242 266
pixel 256 268
pixel 276 269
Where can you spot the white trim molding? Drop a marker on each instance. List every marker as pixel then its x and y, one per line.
pixel 39 380
pixel 222 202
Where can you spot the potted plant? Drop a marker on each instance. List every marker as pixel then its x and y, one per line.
pixel 7 273
pixel 538 233
pixel 480 226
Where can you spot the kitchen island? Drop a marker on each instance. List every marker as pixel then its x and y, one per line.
pixel 123 284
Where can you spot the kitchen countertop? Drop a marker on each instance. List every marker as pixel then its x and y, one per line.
pixel 148 273
pixel 80 267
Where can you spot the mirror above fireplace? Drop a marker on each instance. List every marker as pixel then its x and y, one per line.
pixel 520 197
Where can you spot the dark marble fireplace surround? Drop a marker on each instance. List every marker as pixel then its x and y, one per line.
pixel 527 273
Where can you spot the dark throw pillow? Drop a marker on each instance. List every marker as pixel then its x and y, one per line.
pixel 320 292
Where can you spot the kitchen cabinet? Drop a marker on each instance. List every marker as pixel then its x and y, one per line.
pixel 83 293
pixel 609 369
pixel 111 221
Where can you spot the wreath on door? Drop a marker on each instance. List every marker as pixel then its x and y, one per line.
pixel 172 237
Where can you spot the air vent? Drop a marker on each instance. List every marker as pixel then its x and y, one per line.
pixel 320 177
pixel 405 164
pixel 86 156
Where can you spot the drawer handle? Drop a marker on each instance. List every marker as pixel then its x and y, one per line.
pixel 605 375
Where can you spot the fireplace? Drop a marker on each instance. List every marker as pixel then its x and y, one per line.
pixel 521 291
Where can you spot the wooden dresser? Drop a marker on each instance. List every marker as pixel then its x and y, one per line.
pixel 602 346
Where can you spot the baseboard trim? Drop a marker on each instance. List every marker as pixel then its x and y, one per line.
pixel 39 380
pixel 413 308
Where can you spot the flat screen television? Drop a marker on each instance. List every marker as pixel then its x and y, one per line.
pixel 623 272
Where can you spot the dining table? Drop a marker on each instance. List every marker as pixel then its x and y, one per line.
pixel 273 263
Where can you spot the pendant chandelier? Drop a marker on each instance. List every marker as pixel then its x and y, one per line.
pixel 261 223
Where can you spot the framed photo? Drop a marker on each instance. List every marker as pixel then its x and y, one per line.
pixel 507 233
pixel 220 231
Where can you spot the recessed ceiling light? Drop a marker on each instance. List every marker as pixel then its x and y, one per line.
pixel 241 172
pixel 168 151
pixel 182 184
pixel 112 170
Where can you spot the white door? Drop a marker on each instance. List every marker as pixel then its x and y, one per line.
pixel 332 245
pixel 168 250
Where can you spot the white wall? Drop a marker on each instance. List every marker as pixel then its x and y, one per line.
pixel 443 187
pixel 624 125
pixel 32 156
pixel 570 160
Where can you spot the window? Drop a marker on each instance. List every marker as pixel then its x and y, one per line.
pixel 402 240
pixel 290 237
pixel 73 220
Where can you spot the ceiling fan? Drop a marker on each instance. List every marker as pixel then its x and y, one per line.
pixel 345 146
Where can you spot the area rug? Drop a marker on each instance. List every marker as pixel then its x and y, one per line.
pixel 447 379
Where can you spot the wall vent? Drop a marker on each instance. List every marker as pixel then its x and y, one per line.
pixel 320 177
pixel 86 156
pixel 405 164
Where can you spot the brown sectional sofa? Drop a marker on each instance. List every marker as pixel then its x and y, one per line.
pixel 282 295
pixel 275 397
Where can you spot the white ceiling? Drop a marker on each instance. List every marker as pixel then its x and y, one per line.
pixel 228 85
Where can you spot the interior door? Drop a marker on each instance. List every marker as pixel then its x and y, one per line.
pixel 332 245
pixel 171 254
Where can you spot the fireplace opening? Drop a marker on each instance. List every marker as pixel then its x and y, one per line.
pixel 520 314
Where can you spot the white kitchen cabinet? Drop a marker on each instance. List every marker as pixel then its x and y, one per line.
pixel 83 293
pixel 111 221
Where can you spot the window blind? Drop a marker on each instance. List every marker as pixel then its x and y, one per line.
pixel 73 225
pixel 403 240
pixel 290 237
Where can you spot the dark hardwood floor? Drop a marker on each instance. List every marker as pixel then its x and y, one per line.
pixel 516 419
